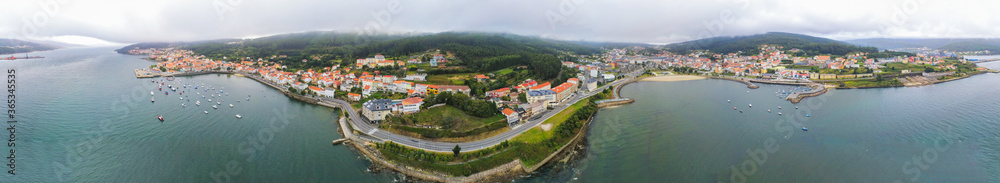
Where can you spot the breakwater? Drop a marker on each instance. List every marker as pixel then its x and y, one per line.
pixel 741 80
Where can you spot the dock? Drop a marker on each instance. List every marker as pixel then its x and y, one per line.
pixel 338 141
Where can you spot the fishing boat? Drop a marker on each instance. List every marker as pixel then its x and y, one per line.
pixel 238 116
pixel 160 118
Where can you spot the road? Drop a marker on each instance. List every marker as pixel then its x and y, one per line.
pixel 363 126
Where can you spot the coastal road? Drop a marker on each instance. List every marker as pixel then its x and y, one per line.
pixel 363 126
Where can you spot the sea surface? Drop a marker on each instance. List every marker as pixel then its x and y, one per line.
pixel 84 117
pixel 686 131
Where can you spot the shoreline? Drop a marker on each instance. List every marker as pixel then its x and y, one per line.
pixel 670 78
pixel 506 172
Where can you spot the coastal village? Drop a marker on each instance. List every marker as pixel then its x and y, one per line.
pixel 359 86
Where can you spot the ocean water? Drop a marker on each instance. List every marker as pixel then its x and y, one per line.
pixel 84 117
pixel 687 132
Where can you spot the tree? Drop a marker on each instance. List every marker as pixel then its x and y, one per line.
pixel 456 150
pixel 523 97
pixel 929 69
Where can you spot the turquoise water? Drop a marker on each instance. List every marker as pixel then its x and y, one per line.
pixel 84 117
pixel 687 132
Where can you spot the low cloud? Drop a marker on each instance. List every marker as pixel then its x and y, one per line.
pixel 621 21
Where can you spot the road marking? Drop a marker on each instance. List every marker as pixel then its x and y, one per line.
pixel 372 131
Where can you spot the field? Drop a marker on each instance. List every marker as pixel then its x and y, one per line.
pixel 449 118
pixel 449 79
pixel 536 134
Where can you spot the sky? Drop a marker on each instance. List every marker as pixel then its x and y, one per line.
pixel 110 22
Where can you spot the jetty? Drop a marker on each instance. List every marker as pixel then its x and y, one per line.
pixel 796 97
pixel 338 141
pixel 613 102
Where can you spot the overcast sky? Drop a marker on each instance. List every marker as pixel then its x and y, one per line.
pixel 667 21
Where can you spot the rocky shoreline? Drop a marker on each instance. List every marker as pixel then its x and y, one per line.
pixel 563 159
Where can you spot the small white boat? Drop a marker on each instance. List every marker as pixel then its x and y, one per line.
pixel 230 105
pixel 215 107
pixel 152 99
pixel 768 110
pixel 209 100
pixel 181 98
pixel 198 102
pixel 183 105
pixel 779 113
pixel 151 93
pixel 238 116
pixel 779 107
pixel 728 101
pixel 206 112
pixel 751 105
pixel 219 103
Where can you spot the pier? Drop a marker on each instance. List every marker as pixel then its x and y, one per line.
pixel 338 141
pixel 797 97
pixel 613 102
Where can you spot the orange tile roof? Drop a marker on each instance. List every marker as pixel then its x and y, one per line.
pixel 508 112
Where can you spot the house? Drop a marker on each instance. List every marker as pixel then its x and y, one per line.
pixel 455 89
pixel 412 105
pixel 498 93
pixel 534 108
pixel 416 77
pixel 376 110
pixel 512 116
pixel 482 78
pixel 321 92
pixel 354 96
pixel 299 86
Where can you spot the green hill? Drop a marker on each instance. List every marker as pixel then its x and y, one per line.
pixel 486 51
pixel 749 45
pixel 12 46
pixel 476 51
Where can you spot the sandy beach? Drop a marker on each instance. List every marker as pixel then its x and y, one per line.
pixel 673 78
